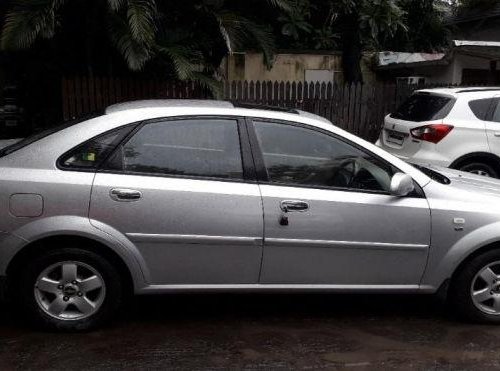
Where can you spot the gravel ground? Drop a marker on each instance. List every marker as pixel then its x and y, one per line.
pixel 261 332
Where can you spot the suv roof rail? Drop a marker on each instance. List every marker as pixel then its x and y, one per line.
pixel 265 107
pixel 472 90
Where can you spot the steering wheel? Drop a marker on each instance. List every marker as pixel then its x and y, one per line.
pixel 347 174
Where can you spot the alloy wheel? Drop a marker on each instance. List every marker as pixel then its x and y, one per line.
pixel 485 289
pixel 70 290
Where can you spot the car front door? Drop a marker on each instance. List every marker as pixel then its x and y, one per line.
pixel 182 192
pixel 329 218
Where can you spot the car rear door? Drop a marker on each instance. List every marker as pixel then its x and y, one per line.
pixel 182 190
pixel 329 218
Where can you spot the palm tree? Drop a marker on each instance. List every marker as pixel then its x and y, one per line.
pixel 144 30
pixel 132 25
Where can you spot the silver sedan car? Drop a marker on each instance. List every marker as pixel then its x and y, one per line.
pixel 181 196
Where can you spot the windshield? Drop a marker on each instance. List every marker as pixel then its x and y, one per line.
pixel 43 134
pixel 433 174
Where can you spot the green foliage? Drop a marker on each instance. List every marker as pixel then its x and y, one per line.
pixel 189 38
pixel 381 19
pixel 28 20
pixel 466 5
pixel 295 20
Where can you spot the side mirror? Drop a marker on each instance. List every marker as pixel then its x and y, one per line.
pixel 401 185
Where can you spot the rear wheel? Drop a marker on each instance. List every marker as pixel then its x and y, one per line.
pixel 68 289
pixel 475 290
pixel 480 168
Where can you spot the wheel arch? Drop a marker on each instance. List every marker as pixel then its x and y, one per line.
pixel 37 234
pixel 54 242
pixel 479 251
pixel 487 157
pixel 444 263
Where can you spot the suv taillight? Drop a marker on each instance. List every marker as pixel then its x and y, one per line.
pixel 431 133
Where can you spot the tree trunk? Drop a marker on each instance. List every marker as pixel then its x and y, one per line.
pixel 351 49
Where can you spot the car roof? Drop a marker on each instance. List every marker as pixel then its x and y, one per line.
pixel 164 103
pixel 247 108
pixel 463 91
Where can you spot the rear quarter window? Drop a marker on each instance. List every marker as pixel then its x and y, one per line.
pixel 481 108
pixel 424 107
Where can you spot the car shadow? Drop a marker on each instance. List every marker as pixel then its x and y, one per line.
pixel 175 307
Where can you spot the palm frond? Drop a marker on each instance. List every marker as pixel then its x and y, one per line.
pixel 135 53
pixel 286 5
pixel 185 61
pixel 240 33
pixel 188 65
pixel 28 20
pixel 214 86
pixel 141 16
pixel 115 5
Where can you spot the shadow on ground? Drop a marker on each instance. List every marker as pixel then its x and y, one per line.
pixel 261 332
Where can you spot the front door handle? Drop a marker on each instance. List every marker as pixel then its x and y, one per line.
pixel 496 133
pixel 121 194
pixel 293 205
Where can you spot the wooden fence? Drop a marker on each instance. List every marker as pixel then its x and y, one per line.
pixel 358 108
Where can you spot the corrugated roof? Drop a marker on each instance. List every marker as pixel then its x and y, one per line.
pixel 386 58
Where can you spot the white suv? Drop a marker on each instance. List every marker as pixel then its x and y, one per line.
pixel 457 128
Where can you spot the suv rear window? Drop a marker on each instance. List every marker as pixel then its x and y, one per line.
pixel 424 107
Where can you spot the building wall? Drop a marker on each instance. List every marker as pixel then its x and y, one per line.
pixel 288 67
pixel 453 73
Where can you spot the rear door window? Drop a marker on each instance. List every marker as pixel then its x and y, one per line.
pixel 424 107
pixel 200 147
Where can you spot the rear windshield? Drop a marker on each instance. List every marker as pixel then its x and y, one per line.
pixel 424 107
pixel 45 133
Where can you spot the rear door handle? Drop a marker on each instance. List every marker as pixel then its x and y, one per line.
pixel 122 194
pixel 496 133
pixel 293 205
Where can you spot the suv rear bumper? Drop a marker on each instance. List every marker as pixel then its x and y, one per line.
pixel 422 156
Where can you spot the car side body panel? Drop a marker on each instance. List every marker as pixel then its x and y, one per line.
pixel 32 171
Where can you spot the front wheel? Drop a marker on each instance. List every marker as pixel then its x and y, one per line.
pixel 475 290
pixel 69 289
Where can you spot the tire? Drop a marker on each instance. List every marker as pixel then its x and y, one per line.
pixel 480 307
pixel 89 300
pixel 480 168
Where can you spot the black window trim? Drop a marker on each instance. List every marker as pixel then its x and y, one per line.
pixel 488 116
pixel 495 102
pixel 59 162
pixel 263 177
pixel 245 151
